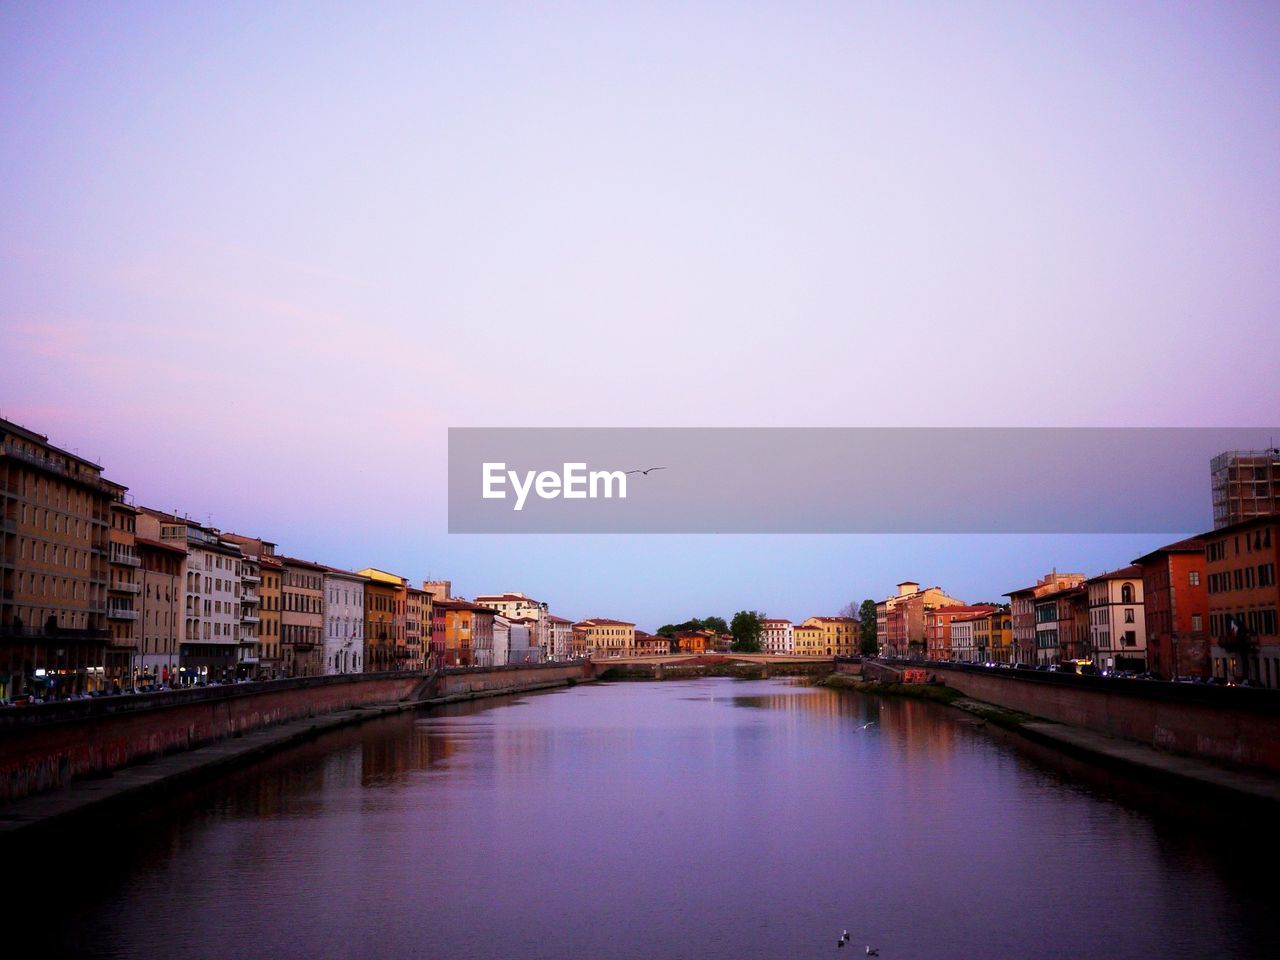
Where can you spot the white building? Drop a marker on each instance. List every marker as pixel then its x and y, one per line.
pixel 1117 621
pixel 522 647
pixel 963 646
pixel 517 606
pixel 343 621
pixel 501 643
pixel 777 636
pixel 557 638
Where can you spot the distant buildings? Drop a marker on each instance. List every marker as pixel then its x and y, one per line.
pixel 463 630
pixel 900 620
pixel 1027 625
pixel 938 634
pixel 837 636
pixel 558 637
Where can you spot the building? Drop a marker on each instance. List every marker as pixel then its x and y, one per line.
pixel 1055 624
pixel 1176 607
pixel 417 627
pixel 1243 599
pixel 900 623
pixel 343 621
pixel 960 643
pixel 523 646
pixel 379 622
pixel 1117 624
pixel 433 643
pixel 602 637
pixel 55 515
pixel 695 642
pixel 776 637
pixel 518 606
pixel 211 609
pixel 559 637
pixel 807 640
pixel 1245 484
pixel 262 658
pixel 123 587
pixel 460 628
pixel 270 645
pixel 162 574
pixel 937 627
pixel 648 645
pixel 302 617
pixel 1022 604
pixel 838 635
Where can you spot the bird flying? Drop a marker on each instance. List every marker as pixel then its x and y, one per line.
pixel 646 472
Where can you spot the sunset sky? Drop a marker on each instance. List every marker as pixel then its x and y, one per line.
pixel 257 258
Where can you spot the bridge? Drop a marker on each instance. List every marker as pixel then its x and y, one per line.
pixel 680 665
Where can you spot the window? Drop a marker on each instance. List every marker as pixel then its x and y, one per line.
pixel 1197 624
pixel 1195 578
pixel 1128 615
pixel 1126 593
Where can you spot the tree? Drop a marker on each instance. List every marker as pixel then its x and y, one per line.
pixel 746 628
pixel 867 617
pixel 716 624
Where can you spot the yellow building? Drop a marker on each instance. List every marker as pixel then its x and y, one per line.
pixel 837 636
pixel 808 639
pixel 606 638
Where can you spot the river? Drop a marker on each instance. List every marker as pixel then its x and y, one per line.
pixel 704 819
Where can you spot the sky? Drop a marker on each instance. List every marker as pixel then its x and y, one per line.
pixel 256 259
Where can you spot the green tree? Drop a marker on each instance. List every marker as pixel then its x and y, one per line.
pixel 693 623
pixel 746 628
pixel 715 623
pixel 867 618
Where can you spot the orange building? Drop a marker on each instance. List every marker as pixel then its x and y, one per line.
pixel 1176 607
pixel 937 626
pixel 459 627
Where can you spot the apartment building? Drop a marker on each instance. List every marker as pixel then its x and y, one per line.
pixel 270 591
pixel 602 637
pixel 392 593
pixel 1176 607
pixel 302 617
pixel 1117 624
pixel 1026 625
pixel 55 516
pixel 1243 600
pixel 123 588
pixel 559 637
pixel 259 653
pixel 937 627
pixel 776 637
pixel 838 635
pixel 461 629
pixel 900 620
pixel 343 621
pixel 518 606
pixel 417 628
pixel 161 602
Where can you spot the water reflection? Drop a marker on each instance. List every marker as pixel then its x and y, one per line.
pixel 716 818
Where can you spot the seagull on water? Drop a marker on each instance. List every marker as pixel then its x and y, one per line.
pixel 873 951
pixel 646 472
pixel 871 724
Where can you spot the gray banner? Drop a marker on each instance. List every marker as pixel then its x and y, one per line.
pixel 837 480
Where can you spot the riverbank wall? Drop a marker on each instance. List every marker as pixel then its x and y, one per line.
pixel 50 746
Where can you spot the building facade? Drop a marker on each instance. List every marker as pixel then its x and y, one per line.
pixel 123 588
pixel 302 617
pixel 1176 607
pixel 1117 622
pixel 55 515
pixel 1026 625
pixel 776 637
pixel 343 621
pixel 1245 484
pixel 900 620
pixel 1243 600
pixel 602 637
pixel 559 637
pixel 162 575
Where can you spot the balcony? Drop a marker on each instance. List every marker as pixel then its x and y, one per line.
pixel 125 586
pixel 250 578
pixel 248 597
pixel 121 613
pixel 8 526
pixel 250 618
pixel 125 559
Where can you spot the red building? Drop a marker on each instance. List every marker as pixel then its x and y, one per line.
pixel 937 626
pixel 1240 574
pixel 1176 607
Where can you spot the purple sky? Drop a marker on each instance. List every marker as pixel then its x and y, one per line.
pixel 257 260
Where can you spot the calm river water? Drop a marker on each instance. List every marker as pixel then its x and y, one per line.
pixel 701 819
